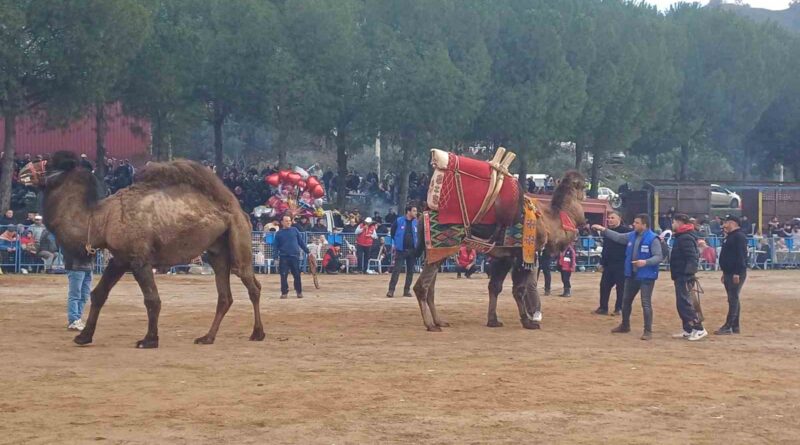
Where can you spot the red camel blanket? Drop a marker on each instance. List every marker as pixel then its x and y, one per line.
pixel 475 176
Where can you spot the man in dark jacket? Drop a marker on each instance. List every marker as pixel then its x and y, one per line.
pixel 405 237
pixel 287 245
pixel 733 262
pixel 683 262
pixel 613 262
pixel 642 257
pixel 79 274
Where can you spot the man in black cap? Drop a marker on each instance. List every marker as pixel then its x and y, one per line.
pixel 733 262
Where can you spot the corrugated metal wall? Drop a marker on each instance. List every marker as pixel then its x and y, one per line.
pixel 126 138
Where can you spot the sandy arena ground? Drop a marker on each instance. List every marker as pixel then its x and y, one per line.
pixel 346 365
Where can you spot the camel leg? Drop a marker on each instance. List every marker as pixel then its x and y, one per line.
pixel 114 271
pixel 147 282
pixel 242 265
pixel 220 262
pixel 500 268
pixel 520 278
pixel 432 306
pixel 424 283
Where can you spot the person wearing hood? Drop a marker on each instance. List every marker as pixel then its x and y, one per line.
pixel 683 261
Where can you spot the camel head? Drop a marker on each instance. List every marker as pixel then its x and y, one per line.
pixel 571 186
pixel 36 173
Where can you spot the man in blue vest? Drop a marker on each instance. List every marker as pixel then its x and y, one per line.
pixel 405 236
pixel 642 257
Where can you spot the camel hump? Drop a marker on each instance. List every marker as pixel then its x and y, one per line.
pixel 184 172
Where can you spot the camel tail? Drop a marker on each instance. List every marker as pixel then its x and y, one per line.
pixel 184 172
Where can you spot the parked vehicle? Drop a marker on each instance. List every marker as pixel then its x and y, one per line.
pixel 722 197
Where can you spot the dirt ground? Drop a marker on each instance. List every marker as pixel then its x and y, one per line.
pixel 346 365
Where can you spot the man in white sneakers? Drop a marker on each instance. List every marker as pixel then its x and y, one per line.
pixel 683 262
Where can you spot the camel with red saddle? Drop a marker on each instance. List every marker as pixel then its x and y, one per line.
pixel 481 204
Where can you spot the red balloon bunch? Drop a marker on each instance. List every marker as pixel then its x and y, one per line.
pixel 288 177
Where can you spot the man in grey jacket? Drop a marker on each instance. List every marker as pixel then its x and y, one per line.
pixel 642 257
pixel 79 273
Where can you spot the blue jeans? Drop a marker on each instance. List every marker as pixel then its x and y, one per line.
pixel 80 284
pixel 290 264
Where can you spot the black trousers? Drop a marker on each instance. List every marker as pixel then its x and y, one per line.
pixel 733 291
pixel 290 264
pixel 613 277
pixel 465 271
pixel 686 311
pixel 565 279
pixel 363 253
pixel 410 260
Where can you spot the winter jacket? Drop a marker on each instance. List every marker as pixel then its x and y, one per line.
pixel 684 256
pixel 733 256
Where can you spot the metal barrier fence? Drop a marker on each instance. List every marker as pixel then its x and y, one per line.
pixel 764 252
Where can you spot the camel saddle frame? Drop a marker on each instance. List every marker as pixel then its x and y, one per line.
pixel 461 185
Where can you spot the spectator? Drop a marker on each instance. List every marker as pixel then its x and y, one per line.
pixel 366 235
pixel 46 249
pixel 86 163
pixel 764 253
pixel 303 225
pixel 29 219
pixel 774 226
pixel 319 226
pixel 566 264
pixel 787 231
pixel 708 255
pixel 287 244
pixel 544 266
pixel 8 245
pixel 7 219
pixel 665 221
pixel 37 228
pixel 780 245
pixel 79 276
pixel 391 216
pixel 330 262
pixel 747 227
pixel 466 261
pixel 796 237
pixel 716 226
pixel 405 235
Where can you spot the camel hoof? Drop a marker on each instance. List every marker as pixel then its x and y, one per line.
pixel 443 324
pixel 494 324
pixel 530 324
pixel 81 339
pixel 204 340
pixel 147 343
pixel 258 336
pixel 434 329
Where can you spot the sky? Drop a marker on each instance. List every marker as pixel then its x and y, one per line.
pixel 768 4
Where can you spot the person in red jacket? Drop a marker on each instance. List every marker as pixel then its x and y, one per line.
pixel 566 264
pixel 366 234
pixel 330 262
pixel 466 261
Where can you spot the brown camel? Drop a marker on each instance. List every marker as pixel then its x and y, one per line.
pixel 550 234
pixel 173 213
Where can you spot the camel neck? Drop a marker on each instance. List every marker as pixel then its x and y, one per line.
pixel 68 206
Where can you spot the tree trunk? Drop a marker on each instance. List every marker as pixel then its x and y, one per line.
pixel 158 138
pixel 7 166
pixel 283 136
pixel 100 130
pixel 683 163
pixel 746 163
pixel 595 179
pixel 578 156
pixel 341 164
pixel 219 120
pixel 407 146
pixel 522 170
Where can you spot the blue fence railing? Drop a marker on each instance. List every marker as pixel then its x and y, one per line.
pixel 765 253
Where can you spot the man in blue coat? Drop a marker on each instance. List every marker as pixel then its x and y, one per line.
pixel 405 236
pixel 287 244
pixel 642 257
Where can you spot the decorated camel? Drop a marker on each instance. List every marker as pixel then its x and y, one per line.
pixel 173 213
pixel 479 203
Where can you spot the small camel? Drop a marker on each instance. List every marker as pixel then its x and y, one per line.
pixel 550 234
pixel 173 213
